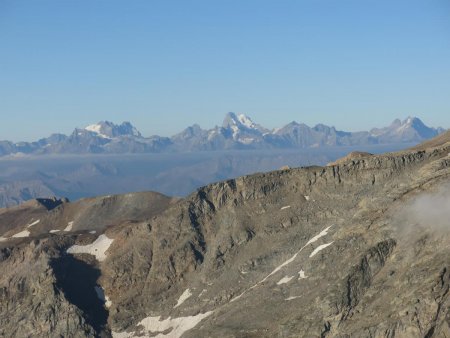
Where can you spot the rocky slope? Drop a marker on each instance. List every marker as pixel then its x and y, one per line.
pixel 355 249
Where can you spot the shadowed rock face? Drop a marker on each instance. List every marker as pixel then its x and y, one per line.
pixel 77 280
pixel 51 203
pixel 307 252
pixel 30 303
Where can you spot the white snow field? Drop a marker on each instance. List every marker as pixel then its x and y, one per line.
pixel 97 248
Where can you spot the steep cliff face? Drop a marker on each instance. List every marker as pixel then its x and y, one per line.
pixel 30 303
pixel 310 252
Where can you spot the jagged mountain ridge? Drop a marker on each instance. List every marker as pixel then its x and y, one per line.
pixel 237 132
pixel 305 252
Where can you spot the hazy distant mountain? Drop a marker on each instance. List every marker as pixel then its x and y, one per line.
pixel 410 129
pixel 238 131
pixel 242 129
pixel 297 135
pixel 13 193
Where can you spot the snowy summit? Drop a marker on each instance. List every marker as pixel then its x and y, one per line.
pixel 108 129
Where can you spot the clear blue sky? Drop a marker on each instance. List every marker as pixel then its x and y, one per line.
pixel 166 64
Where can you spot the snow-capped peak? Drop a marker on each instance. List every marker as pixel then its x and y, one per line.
pixel 108 129
pixel 411 122
pixel 243 128
pixel 242 122
pixel 411 128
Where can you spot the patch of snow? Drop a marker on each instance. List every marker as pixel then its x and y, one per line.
pixel 246 140
pixel 185 295
pixel 235 131
pixel 135 132
pixel 154 326
pixel 97 248
pixel 22 234
pixel 404 126
pixel 54 231
pixel 96 128
pixel 285 280
pixel 34 223
pixel 101 295
pixel 301 275
pixel 122 334
pixel 291 298
pixel 319 248
pixel 279 267
pixel 18 154
pixel 376 133
pixel 243 293
pixel 246 121
pixel 201 293
pixel 321 234
pixel 307 198
pixel 69 226
pixel 211 134
pixel 92 232
pixel 286 207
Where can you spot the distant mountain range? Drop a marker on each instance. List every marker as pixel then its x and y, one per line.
pixel 238 131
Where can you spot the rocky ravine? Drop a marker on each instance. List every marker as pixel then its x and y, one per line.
pixel 336 251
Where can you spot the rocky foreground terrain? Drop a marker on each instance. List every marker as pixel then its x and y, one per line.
pixel 359 248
